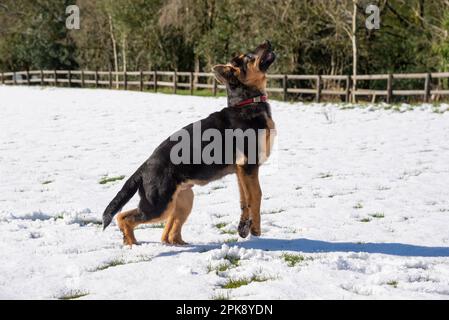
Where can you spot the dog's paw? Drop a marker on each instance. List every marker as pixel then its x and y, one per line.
pixel 129 241
pixel 244 227
pixel 179 242
pixel 174 241
pixel 255 232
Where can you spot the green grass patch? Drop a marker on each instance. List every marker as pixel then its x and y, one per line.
pixel 222 267
pixel 221 296
pixel 186 92
pixel 210 268
pixel 237 283
pixel 233 260
pixel 365 220
pixel 231 232
pixel 72 295
pixel 59 216
pixel 221 225
pixel 358 205
pixel 90 221
pixel 111 264
pixel 377 215
pixel 231 240
pixel 325 175
pixel 209 93
pixel 274 211
pixel 393 283
pixel 293 259
pixel 106 179
pixel 47 182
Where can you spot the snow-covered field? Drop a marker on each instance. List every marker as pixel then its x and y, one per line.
pixel 355 204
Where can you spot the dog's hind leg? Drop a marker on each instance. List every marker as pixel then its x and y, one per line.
pixel 167 228
pixel 127 222
pixel 182 208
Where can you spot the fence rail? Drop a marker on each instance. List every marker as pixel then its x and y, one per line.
pixel 286 85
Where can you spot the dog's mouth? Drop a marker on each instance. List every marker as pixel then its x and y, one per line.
pixel 267 60
pixel 268 56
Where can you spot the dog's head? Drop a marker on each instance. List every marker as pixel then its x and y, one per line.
pixel 248 69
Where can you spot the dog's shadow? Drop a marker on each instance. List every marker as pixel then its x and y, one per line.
pixel 317 246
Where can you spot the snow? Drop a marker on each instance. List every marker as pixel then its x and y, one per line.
pixel 357 195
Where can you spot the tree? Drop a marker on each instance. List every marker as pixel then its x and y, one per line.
pixel 310 36
pixel 35 35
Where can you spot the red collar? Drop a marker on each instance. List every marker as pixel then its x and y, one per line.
pixel 257 99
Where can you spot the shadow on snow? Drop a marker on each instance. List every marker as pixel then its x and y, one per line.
pixel 317 246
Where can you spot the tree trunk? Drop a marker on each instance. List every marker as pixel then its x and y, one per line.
pixel 354 50
pixel 125 60
pixel 197 69
pixel 421 12
pixel 114 47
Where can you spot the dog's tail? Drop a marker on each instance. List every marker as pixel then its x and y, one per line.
pixel 123 196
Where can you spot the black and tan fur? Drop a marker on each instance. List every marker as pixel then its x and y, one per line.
pixel 165 189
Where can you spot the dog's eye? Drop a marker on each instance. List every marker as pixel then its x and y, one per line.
pixel 251 57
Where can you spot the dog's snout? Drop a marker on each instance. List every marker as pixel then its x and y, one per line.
pixel 267 45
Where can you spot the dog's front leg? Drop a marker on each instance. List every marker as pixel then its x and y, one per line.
pixel 245 221
pixel 250 189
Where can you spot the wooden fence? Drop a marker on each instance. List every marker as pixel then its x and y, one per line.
pixel 300 86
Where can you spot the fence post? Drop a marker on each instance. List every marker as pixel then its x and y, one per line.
pixel 427 87
pixel 28 77
pixel 42 77
pixel 3 77
pixel 149 80
pixel 285 86
pixel 354 89
pixel 125 80
pixel 155 80
pixel 214 86
pixel 141 80
pixel 56 78
pixel 82 79
pixel 191 83
pixel 318 88
pixel 69 75
pixel 175 81
pixel 96 78
pixel 14 78
pixel 389 87
pixel 348 89
pixel 110 79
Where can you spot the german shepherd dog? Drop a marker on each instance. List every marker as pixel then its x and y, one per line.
pixel 165 188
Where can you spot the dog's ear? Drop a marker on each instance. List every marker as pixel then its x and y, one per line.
pixel 237 61
pixel 225 73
